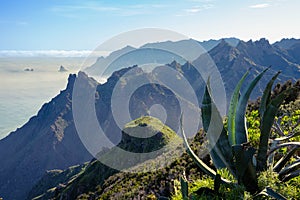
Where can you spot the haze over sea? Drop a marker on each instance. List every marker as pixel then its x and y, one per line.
pixel 22 93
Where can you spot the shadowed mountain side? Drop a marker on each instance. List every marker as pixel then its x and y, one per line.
pixel 50 141
pixel 233 62
pixel 47 141
pixel 70 183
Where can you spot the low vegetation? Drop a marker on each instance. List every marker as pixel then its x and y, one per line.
pixel 267 165
pixel 219 175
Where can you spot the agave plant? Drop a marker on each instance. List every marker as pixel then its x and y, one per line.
pixel 232 150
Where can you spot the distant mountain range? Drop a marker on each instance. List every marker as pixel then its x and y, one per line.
pixel 49 140
pixel 287 43
pixel 231 56
pixel 156 53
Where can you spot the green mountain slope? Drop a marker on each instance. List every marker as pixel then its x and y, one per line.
pixel 95 179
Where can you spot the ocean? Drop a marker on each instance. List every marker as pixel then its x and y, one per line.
pixel 22 93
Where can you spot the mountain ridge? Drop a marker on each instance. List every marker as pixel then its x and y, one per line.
pixel 49 140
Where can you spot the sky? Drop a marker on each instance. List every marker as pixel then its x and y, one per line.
pixel 82 25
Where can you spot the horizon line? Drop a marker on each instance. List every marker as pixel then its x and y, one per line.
pixel 89 53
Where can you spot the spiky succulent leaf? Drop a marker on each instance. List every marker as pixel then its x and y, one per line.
pixel 287 137
pixel 289 169
pixel 206 107
pixel 206 169
pixel 197 160
pixel 266 123
pixel 246 172
pixel 221 152
pixel 286 144
pixel 267 94
pixel 281 163
pixel 217 182
pixel 241 134
pixel 184 187
pixel 269 192
pixel 291 175
pixel 232 110
pixel 272 155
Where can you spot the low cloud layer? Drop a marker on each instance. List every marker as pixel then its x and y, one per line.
pixel 263 5
pixel 50 53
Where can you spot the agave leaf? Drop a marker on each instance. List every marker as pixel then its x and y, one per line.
pixel 266 123
pixel 267 94
pixel 286 144
pixel 217 160
pixel 289 169
pixel 221 152
pixel 291 175
pixel 206 107
pixel 280 164
pixel 244 166
pixel 184 187
pixel 241 135
pixel 269 192
pixel 217 182
pixel 232 110
pixel 287 137
pixel 206 169
pixel 272 155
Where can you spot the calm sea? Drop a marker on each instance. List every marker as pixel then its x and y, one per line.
pixel 22 93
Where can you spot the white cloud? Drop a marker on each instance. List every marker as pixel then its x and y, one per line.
pixel 195 9
pixel 51 53
pixel 72 8
pixel 262 5
pixel 72 11
pixel 77 10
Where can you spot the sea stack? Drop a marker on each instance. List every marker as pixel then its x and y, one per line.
pixel 62 69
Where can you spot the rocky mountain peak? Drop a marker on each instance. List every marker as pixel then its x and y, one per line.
pixel 117 74
pixel 256 45
pixel 287 43
pixel 223 43
pixel 263 43
pixel 71 80
pixel 224 51
pixel 174 65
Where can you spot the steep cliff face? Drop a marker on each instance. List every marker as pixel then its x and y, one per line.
pixel 47 141
pixel 50 140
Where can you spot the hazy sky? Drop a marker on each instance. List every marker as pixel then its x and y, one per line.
pixel 82 25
